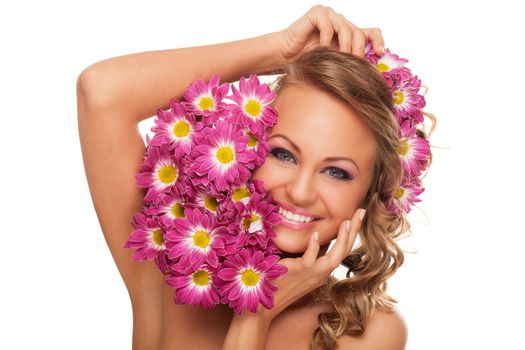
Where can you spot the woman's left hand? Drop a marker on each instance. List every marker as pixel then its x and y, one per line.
pixel 309 272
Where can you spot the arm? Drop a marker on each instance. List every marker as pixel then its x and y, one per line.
pixel 247 331
pixel 143 82
pixel 113 96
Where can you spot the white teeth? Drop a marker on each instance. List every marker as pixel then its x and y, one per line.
pixel 294 217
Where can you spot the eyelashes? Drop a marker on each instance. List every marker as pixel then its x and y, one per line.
pixel 285 156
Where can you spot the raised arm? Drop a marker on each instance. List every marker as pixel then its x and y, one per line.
pixel 113 96
pixel 141 83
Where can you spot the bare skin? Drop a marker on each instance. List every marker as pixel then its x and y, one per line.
pixel 111 103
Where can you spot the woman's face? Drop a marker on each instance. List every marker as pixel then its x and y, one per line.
pixel 298 172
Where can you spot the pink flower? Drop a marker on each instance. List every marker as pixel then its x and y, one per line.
pixel 206 99
pixel 253 107
pixel 175 128
pixel 160 171
pixel 194 239
pixel 247 280
pixel 195 286
pixel 413 150
pixel 405 196
pixel 221 158
pixel 148 238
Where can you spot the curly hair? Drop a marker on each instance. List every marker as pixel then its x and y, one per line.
pixel 359 84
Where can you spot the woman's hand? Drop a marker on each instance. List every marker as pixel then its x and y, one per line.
pixel 317 28
pixel 309 272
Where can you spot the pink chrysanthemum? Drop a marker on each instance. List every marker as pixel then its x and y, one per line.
pixel 171 206
pixel 148 238
pixel 405 196
pixel 387 62
pixel 407 101
pixel 205 99
pixel 247 280
pixel 413 150
pixel 194 239
pixel 197 287
pixel 160 171
pixel 258 144
pixel 239 196
pixel 221 158
pixel 253 107
pixel 255 227
pixel 175 128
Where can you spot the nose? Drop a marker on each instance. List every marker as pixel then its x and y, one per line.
pixel 301 188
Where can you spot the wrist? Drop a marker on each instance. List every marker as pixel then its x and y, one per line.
pixel 274 59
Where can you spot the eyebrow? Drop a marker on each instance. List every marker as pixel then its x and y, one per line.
pixel 327 159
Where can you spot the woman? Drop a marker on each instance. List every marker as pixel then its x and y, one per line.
pixel 311 307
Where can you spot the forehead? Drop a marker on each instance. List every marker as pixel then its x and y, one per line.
pixel 315 120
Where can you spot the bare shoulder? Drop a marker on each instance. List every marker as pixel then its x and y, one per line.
pixel 384 331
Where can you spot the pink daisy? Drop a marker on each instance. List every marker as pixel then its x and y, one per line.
pixel 175 128
pixel 195 287
pixel 239 196
pixel 160 172
pixel 413 150
pixel 148 238
pixel 258 144
pixel 256 225
pixel 407 101
pixel 247 280
pixel 194 239
pixel 203 98
pixel 253 108
pixel 171 206
pixel 405 196
pixel 220 157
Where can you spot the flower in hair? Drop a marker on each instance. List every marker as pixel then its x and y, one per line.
pixel 413 150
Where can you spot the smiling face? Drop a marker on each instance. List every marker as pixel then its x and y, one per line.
pixel 312 127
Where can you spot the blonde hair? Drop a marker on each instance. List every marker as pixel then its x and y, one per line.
pixel 356 82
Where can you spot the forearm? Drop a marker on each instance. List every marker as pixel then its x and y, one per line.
pixel 248 331
pixel 139 84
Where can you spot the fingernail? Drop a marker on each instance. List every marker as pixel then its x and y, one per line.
pixel 347 225
pixel 362 214
pixel 316 236
pixel 382 49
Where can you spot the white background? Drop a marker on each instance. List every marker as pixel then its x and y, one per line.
pixel 463 289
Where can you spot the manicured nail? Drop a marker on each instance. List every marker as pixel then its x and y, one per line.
pixel 362 214
pixel 316 236
pixel 347 225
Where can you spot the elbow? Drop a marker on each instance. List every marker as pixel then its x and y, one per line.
pixel 89 89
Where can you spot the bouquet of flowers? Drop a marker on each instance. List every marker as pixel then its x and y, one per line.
pixel 206 225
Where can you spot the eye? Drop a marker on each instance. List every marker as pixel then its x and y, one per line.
pixel 340 174
pixel 286 156
pixel 281 154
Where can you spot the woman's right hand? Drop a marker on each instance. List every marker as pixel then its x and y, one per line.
pixel 317 28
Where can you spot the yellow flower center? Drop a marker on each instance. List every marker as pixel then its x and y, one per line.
pixel 247 222
pixel 240 193
pixel 177 210
pixel 167 174
pixel 402 149
pixel 201 278
pixel 157 238
pixel 399 193
pixel 382 67
pixel 253 140
pixel 181 128
pixel 225 155
pixel 206 103
pixel 201 239
pixel 253 108
pixel 211 203
pixel 249 277
pixel 398 97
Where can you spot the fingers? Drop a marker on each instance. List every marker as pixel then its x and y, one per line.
pixel 345 239
pixel 310 255
pixel 351 39
pixel 378 43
